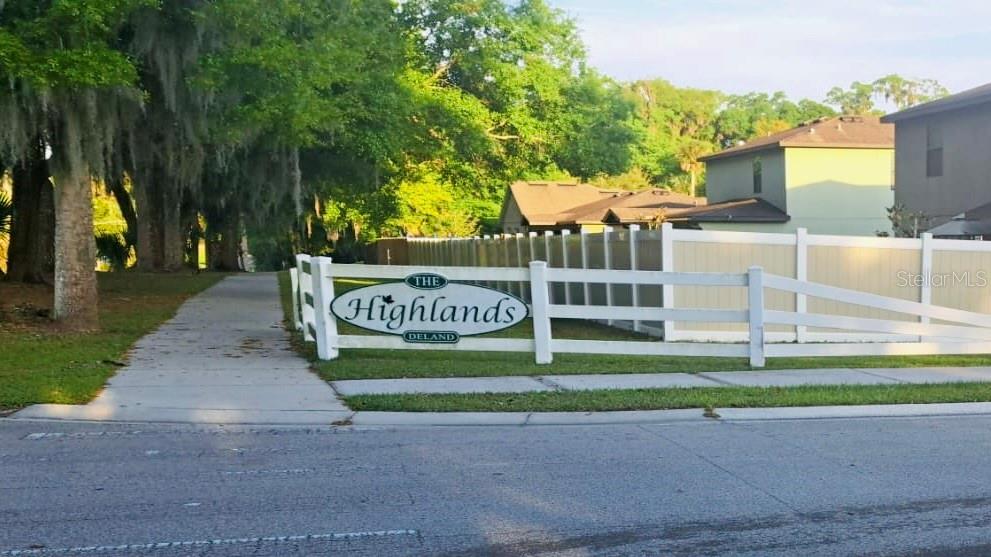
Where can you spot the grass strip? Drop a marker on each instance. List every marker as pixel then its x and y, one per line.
pixel 674 398
pixel 40 364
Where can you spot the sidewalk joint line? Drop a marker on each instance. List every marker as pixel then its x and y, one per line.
pixel 895 379
pixel 704 375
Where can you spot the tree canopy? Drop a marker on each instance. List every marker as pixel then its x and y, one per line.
pixel 314 125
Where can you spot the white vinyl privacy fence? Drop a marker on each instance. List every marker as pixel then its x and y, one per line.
pixel 950 273
pixel 957 331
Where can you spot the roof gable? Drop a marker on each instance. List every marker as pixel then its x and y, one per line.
pixel 851 132
pixel 540 202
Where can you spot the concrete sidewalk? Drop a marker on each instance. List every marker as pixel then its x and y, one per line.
pixel 774 378
pixel 224 358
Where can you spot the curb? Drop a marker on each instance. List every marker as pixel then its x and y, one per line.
pixel 643 417
pixel 692 415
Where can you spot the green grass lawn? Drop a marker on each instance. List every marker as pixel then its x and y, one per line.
pixel 384 364
pixel 666 399
pixel 39 363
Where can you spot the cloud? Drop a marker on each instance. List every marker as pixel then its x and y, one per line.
pixel 801 47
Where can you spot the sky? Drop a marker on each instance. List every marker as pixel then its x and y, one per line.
pixel 801 47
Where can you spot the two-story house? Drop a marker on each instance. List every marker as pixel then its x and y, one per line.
pixel 830 176
pixel 943 162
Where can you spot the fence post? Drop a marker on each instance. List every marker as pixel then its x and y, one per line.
pixel 634 288
pixel 324 322
pixel 667 265
pixel 485 257
pixel 303 263
pixel 504 240
pixel 565 234
pixel 548 252
pixel 755 298
pixel 802 274
pixel 297 321
pixel 586 291
pixel 926 291
pixel 476 259
pixel 539 295
pixel 607 264
pixel 519 262
pixel 532 240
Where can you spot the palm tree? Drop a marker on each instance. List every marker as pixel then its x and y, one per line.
pixel 688 155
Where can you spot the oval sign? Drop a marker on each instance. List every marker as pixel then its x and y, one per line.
pixel 441 314
pixel 426 281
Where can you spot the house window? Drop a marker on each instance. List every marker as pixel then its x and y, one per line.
pixel 934 151
pixel 758 175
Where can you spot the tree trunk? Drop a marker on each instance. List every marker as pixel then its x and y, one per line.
pixel 126 208
pixel 148 240
pixel 31 254
pixel 173 239
pixel 195 234
pixel 191 231
pixel 210 239
pixel 228 247
pixel 76 295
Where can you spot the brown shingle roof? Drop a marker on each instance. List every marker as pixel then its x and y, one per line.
pixel 554 203
pixel 977 95
pixel 852 132
pixel 655 198
pixel 542 202
pixel 751 209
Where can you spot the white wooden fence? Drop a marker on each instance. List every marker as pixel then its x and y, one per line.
pixel 970 332
pixel 951 273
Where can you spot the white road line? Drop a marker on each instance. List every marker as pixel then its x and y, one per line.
pixel 224 431
pixel 336 536
pixel 265 472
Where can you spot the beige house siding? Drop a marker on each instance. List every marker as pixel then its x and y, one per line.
pixel 839 191
pixel 732 178
pixel 966 179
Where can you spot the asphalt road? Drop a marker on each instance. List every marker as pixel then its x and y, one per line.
pixel 818 487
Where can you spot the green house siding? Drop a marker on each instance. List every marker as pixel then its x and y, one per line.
pixel 733 178
pixel 839 191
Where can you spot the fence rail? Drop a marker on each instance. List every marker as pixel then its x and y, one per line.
pixel 313 291
pixel 952 274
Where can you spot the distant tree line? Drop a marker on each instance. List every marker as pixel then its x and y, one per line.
pixel 312 125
